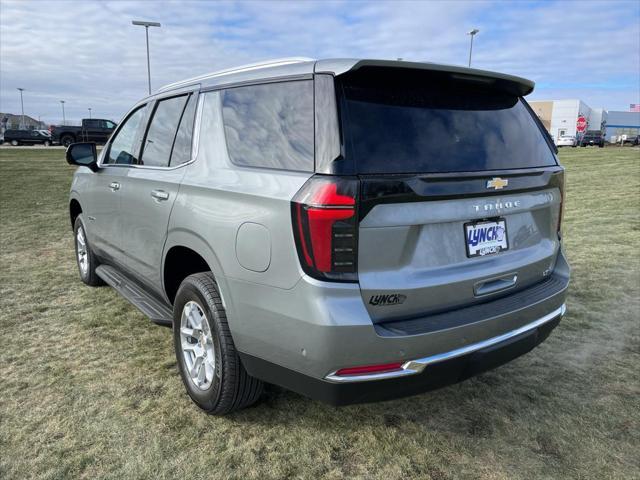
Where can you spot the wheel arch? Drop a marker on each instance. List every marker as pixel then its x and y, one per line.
pixel 75 209
pixel 186 253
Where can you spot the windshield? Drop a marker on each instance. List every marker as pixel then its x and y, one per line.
pixel 425 123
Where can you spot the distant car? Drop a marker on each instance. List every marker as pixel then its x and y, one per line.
pixel 95 130
pixel 592 138
pixel 26 137
pixel 566 141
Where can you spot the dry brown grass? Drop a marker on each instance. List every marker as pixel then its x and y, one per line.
pixel 89 388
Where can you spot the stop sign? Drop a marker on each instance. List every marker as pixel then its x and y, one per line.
pixel 581 124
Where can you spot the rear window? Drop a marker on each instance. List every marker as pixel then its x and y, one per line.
pixel 422 123
pixel 270 125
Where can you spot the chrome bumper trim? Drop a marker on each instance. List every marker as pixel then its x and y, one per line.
pixel 412 367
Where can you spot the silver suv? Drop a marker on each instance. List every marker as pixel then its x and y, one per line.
pixel 352 230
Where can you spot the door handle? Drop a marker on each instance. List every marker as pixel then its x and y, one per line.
pixel 114 186
pixel 160 195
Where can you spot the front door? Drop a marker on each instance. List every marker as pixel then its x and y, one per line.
pixel 104 220
pixel 102 208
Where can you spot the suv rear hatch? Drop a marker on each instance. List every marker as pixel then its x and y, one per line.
pixel 460 191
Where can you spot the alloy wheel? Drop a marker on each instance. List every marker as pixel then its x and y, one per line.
pixel 81 248
pixel 198 349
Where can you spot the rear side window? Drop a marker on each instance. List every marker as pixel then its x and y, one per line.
pixel 182 147
pixel 162 131
pixel 425 124
pixel 270 125
pixel 126 144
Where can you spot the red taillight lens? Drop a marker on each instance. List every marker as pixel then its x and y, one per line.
pixel 325 224
pixel 562 203
pixel 369 369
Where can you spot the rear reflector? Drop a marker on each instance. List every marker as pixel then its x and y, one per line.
pixel 369 369
pixel 325 227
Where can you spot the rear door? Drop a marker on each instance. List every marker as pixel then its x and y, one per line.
pixel 91 129
pixel 460 192
pixel 152 186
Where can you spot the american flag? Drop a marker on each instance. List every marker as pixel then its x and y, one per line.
pixel 634 107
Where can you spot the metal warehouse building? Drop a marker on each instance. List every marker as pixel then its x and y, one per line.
pixel 622 123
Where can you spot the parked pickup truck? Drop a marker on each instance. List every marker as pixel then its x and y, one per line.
pixel 95 130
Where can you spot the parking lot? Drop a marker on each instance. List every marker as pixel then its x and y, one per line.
pixel 90 388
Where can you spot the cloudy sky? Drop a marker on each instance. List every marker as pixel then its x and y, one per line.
pixel 88 53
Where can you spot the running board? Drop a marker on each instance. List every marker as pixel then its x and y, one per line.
pixel 159 312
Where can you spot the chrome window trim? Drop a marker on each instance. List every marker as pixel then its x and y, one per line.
pixel 413 367
pixel 195 139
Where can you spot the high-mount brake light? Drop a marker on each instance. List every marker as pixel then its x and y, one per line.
pixel 324 215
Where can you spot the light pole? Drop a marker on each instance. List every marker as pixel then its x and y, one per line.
pixel 473 33
pixel 64 120
pixel 89 112
pixel 22 106
pixel 146 26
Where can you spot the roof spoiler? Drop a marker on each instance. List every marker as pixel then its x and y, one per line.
pixel 508 83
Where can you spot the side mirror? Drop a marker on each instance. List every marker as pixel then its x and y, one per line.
pixel 83 155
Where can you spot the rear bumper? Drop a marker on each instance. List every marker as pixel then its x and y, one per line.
pixel 417 376
pixel 298 338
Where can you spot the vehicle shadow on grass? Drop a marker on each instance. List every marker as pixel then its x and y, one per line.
pixel 471 408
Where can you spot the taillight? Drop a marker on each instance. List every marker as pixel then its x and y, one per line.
pixel 325 226
pixel 562 203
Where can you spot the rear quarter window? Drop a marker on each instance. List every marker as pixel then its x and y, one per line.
pixel 270 125
pixel 162 131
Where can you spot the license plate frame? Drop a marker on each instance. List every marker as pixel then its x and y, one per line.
pixel 492 247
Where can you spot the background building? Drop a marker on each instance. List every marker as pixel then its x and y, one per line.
pixel 622 123
pixel 560 117
pixel 11 121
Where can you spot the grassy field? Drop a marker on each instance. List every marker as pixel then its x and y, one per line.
pixel 89 387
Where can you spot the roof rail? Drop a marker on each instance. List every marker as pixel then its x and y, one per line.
pixel 242 68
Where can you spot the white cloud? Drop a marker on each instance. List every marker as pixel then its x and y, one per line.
pixel 90 55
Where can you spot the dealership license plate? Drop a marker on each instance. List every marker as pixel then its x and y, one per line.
pixel 486 238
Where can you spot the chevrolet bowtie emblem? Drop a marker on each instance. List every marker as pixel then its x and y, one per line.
pixel 497 183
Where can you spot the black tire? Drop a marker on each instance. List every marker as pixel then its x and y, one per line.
pixel 47 143
pixel 231 388
pixel 67 140
pixel 15 143
pixel 88 275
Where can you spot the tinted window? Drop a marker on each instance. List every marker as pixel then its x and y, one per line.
pixel 162 131
pixel 270 125
pixel 426 124
pixel 126 144
pixel 92 123
pixel 182 146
